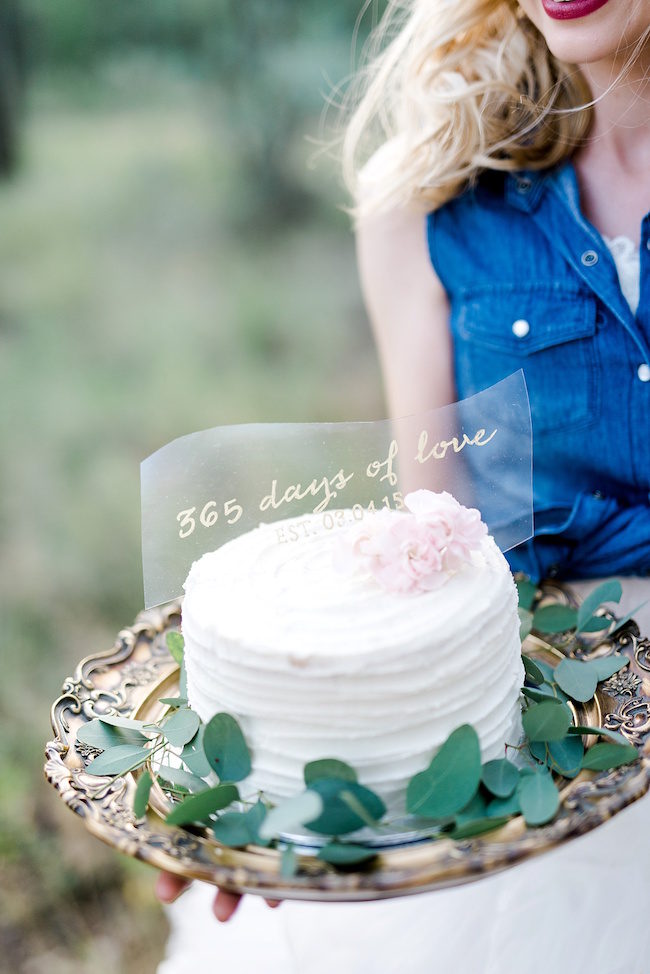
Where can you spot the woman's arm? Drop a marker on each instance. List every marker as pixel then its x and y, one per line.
pixel 408 310
pixel 409 313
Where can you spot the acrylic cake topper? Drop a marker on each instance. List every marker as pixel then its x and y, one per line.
pixel 203 489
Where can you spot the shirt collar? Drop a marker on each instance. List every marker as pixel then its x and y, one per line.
pixel 525 188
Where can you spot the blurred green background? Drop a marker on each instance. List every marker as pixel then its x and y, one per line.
pixel 171 259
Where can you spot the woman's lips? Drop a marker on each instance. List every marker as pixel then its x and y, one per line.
pixel 570 9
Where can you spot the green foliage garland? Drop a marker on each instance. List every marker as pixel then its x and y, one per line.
pixel 456 796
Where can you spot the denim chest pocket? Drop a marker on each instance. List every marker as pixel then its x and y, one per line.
pixel 548 330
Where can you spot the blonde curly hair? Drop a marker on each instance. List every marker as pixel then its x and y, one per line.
pixel 451 88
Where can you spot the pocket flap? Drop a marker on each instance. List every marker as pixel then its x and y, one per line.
pixel 524 319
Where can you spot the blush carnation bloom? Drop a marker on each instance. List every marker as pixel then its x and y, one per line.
pixel 415 549
pixel 462 527
pixel 405 556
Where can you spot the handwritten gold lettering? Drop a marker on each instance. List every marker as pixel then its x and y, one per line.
pixel 327 487
pixel 439 449
pixel 478 441
pixel 375 466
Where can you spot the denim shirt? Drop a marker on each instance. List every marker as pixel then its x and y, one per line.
pixel 532 285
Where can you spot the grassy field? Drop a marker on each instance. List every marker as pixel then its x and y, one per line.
pixel 133 309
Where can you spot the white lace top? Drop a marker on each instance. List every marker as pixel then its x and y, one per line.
pixel 627 258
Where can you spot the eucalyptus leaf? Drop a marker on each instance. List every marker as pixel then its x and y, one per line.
pixel 546 721
pixel 142 792
pixel 526 592
pixel 255 818
pixel 500 777
pixel 181 727
pixel 563 756
pixel 452 778
pixel 576 678
pixel 232 829
pixel 328 768
pixel 606 666
pixel 541 694
pixel 566 755
pixel 477 826
pixel 181 778
pixel 199 808
pixel 630 615
pixel 608 591
pixel 606 755
pixel 176 646
pixel 525 623
pixel 356 806
pixel 197 763
pixel 337 817
pixel 533 672
pixel 241 828
pixel 174 702
pixel 118 760
pixel 291 814
pixel 554 618
pixel 475 809
pixel 555 691
pixel 600 731
pixel 539 750
pixel 125 723
pixel 595 624
pixel 547 670
pixel 538 797
pixel 345 853
pixel 500 807
pixel 424 824
pixel 194 757
pixel 288 862
pixel 226 749
pixel 101 736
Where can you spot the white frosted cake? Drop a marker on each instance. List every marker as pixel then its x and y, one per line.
pixel 322 646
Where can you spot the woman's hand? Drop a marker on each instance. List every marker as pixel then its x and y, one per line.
pixel 169 887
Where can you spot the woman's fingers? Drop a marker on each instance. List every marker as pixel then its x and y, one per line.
pixel 225 904
pixel 169 887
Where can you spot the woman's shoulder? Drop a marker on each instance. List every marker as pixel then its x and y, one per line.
pixel 393 254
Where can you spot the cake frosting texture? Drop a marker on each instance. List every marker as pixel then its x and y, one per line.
pixel 317 663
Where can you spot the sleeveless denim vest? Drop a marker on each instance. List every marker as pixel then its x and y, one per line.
pixel 532 285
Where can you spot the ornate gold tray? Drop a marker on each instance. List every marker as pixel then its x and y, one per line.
pixel 129 679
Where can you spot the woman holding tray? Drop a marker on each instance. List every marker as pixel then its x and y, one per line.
pixel 502 223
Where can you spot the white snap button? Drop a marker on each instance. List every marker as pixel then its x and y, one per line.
pixel 643 372
pixel 589 258
pixel 520 327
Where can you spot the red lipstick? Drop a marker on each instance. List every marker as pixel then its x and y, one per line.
pixel 570 9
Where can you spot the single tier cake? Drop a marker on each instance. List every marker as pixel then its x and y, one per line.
pixel 368 643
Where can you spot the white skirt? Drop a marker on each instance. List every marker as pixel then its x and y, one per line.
pixel 583 908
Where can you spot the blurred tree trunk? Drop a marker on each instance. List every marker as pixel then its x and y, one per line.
pixel 12 74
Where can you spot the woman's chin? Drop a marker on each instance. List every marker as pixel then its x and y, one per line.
pixel 603 32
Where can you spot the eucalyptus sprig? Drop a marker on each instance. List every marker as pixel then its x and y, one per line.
pixel 456 796
pixel 555 618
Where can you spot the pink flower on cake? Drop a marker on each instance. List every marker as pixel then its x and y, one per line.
pixel 407 556
pixel 461 527
pixel 415 549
